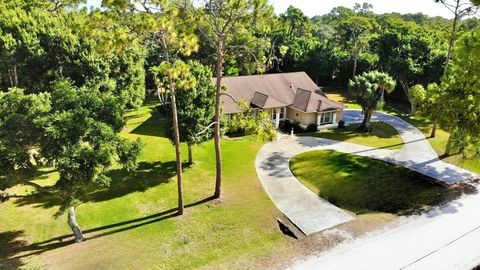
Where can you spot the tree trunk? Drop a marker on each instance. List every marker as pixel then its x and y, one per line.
pixel 176 136
pixel 190 155
pixel 435 121
pixel 355 63
pixel 218 151
pixel 365 126
pixel 448 148
pixel 178 156
pixel 406 90
pixel 434 129
pixel 451 42
pixel 72 222
pixel 13 75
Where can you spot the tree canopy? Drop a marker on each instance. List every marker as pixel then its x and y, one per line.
pixel 369 90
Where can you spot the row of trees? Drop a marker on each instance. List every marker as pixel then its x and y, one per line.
pixel 67 79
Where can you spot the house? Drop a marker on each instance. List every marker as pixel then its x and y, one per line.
pixel 285 96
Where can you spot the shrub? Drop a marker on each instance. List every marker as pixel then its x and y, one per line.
pixel 312 128
pixel 341 124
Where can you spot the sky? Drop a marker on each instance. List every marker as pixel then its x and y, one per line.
pixel 320 7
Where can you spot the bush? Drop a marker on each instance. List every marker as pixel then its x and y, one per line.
pixel 286 126
pixel 312 128
pixel 341 124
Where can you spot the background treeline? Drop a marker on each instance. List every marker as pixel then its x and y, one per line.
pixel 107 46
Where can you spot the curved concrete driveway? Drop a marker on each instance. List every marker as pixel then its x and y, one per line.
pixel 307 210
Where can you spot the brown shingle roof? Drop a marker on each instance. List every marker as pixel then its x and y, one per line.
pixel 259 99
pixel 301 100
pixel 276 90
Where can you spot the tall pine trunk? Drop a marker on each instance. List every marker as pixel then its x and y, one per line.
pixel 451 42
pixel 176 138
pixel 72 223
pixel 190 154
pixel 366 125
pixel 218 151
pixel 448 148
pixel 355 63
pixel 435 122
pixel 178 156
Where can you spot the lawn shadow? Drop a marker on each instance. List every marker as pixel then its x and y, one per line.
pixel 10 242
pixel 123 182
pixel 154 126
pixel 145 176
pixel 22 251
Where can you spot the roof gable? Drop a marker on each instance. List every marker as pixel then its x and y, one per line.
pixel 273 90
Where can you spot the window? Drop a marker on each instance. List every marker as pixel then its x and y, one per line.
pixel 282 113
pixel 326 118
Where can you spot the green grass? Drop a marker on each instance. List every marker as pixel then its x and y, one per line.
pixel 133 224
pixel 400 109
pixel 363 185
pixel 396 108
pixel 382 136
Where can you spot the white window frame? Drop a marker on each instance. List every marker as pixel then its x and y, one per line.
pixel 283 113
pixel 324 116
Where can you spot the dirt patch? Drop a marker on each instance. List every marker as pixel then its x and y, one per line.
pixel 317 243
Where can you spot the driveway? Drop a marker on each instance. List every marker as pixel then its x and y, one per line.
pixel 306 209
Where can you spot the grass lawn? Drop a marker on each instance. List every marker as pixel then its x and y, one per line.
pixel 389 107
pixel 364 186
pixel 438 143
pixel 133 224
pixel 382 136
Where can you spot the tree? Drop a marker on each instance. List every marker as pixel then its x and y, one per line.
pixel 409 52
pixel 369 90
pixel 355 33
pixel 461 103
pixel 19 135
pixel 174 37
pixel 295 22
pixel 429 102
pixel 80 137
pixel 253 123
pixel 196 107
pixel 226 20
pixel 460 9
pixel 418 96
pixel 76 130
pixel 38 47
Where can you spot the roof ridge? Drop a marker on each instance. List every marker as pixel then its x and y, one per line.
pixel 263 75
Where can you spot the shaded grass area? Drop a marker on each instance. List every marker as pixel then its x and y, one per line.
pixel 363 185
pixel 390 106
pixel 382 136
pixel 401 109
pixel 133 223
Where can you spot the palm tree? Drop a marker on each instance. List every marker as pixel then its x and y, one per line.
pixel 369 90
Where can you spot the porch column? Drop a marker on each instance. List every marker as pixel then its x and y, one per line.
pixel 334 117
pixel 319 117
pixel 277 119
